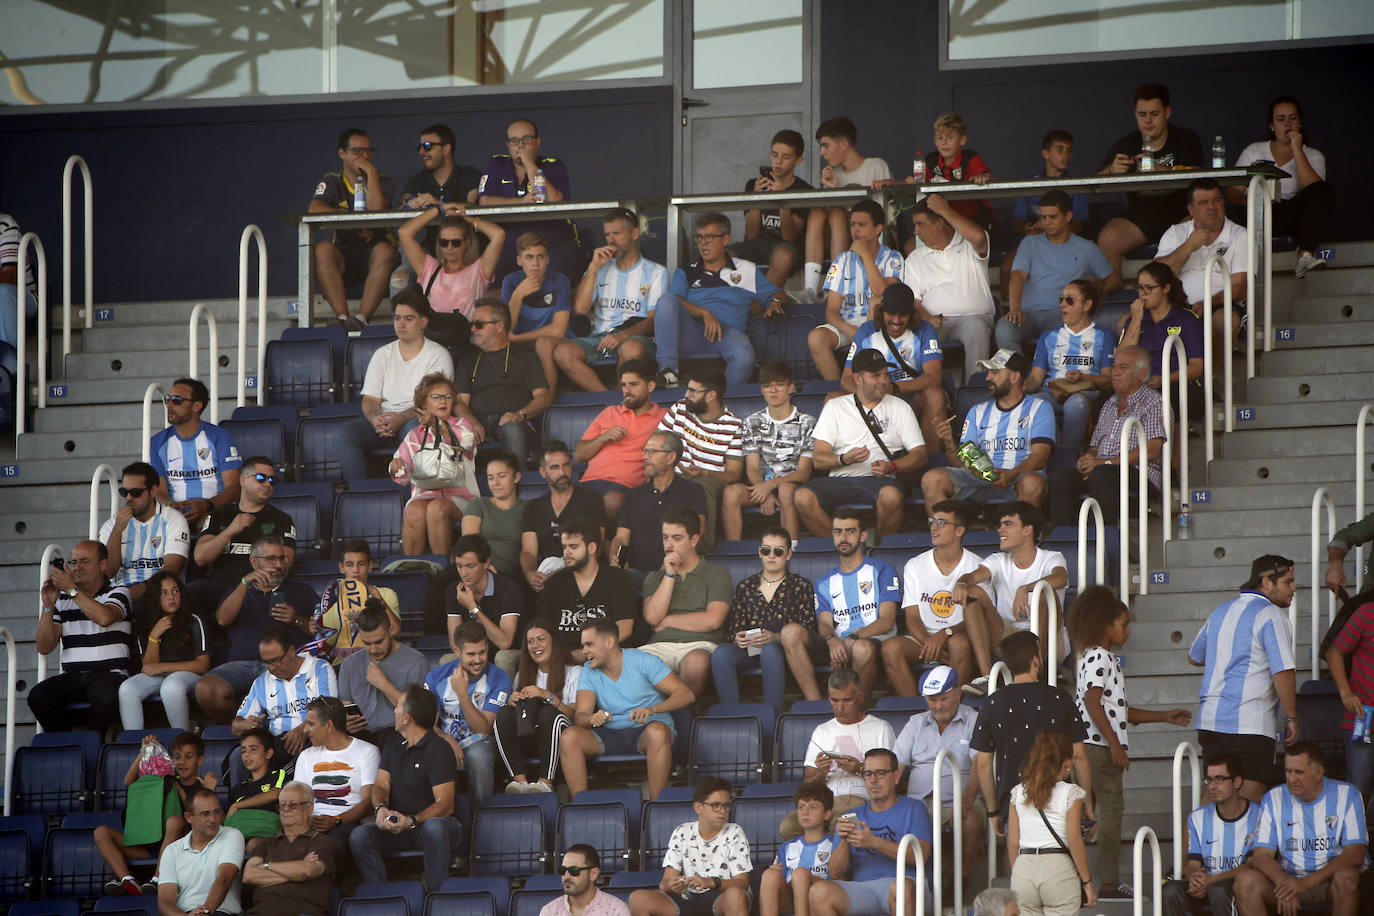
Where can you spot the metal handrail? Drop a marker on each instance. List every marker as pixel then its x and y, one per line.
pixel 1138 872
pixel 1260 193
pixel 193 335
pixel 153 388
pixel 1366 415
pixel 51 552
pixel 998 671
pixel 1319 498
pixel 1090 505
pixel 1184 749
pixel 21 382
pixel 1042 589
pixel 1173 345
pixel 107 472
pixel 1133 428
pixel 957 817
pixel 1228 420
pixel 906 842
pixel 89 199
pixel 11 685
pixel 252 232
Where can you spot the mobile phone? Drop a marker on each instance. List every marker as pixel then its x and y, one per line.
pixel 58 563
pixel 620 555
pixel 351 709
pixel 850 818
pixel 765 171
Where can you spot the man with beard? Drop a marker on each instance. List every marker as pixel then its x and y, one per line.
pixel 441 181
pixel 712 439
pixel 915 361
pixel 1016 433
pixel 228 534
pixel 612 444
pixel 618 293
pixel 540 547
pixel 639 532
pixel 372 681
pixel 197 462
pixel 580 868
pixel 856 603
pixel 586 589
pixel 143 537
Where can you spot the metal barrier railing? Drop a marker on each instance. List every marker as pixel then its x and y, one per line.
pixel 1184 749
pixel 193 335
pixel 1228 386
pixel 1043 592
pixel 1090 505
pixel 1366 415
pixel 108 473
pixel 998 674
pixel 50 553
pixel 1142 836
pixel 957 819
pixel 89 198
pixel 1173 346
pixel 11 685
pixel 907 842
pixel 1134 429
pixel 253 233
pixel 153 389
pixel 1259 225
pixel 1319 499
pixel 21 383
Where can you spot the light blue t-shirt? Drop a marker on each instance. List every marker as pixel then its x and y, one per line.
pixel 538 309
pixel 1245 643
pixel 1051 266
pixel 849 279
pixel 623 296
pixel 639 672
pixel 906 816
pixel 1221 845
pixel 1061 350
pixel 194 468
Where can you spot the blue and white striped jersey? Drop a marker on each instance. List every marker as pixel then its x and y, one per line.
pixel 626 295
pixel 1060 350
pixel 849 279
pixel 144 544
pixel 852 599
pixel 1221 845
pixel 918 346
pixel 194 468
pixel 1243 644
pixel 813 857
pixel 284 702
pixel 1007 435
pixel 488 692
pixel 1307 835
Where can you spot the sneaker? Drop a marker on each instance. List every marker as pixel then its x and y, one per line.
pixel 354 323
pixel 1307 262
pixel 668 378
pixel 131 887
pixel 1116 892
pixel 978 687
pixel 516 787
pixel 538 787
pixel 150 887
pixel 115 888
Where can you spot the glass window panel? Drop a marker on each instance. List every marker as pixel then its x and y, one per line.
pixel 758 43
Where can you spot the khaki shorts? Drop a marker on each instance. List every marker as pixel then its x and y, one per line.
pixel 946 811
pixel 672 653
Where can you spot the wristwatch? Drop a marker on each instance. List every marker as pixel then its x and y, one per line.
pixel 69 593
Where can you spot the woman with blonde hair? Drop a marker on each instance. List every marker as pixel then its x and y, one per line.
pixel 1049 863
pixel 441 442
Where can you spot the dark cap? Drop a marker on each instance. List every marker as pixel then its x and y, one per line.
pixel 899 299
pixel 868 360
pixel 1014 360
pixel 1271 565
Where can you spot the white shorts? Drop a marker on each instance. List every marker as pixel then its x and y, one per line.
pixel 845 339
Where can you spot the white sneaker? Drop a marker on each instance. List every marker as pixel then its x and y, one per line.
pixel 1307 262
pixel 516 787
pixel 978 687
pixel 537 787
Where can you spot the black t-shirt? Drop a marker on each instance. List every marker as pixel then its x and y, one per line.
pixel 1182 148
pixel 232 564
pixel 251 788
pixel 611 597
pixel 500 380
pixel 337 191
pixel 772 219
pixel 255 615
pixel 538 517
pixel 502 597
pixel 642 513
pixel 416 770
pixel 461 180
pixel 1011 719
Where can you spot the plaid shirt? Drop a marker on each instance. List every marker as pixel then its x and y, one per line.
pixel 793 602
pixel 1144 403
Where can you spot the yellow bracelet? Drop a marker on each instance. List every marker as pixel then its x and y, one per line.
pixel 154 639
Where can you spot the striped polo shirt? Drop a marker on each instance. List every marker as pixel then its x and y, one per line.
pixel 706 443
pixel 89 648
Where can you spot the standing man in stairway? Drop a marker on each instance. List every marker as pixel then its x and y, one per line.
pixel 197 463
pixel 1246 652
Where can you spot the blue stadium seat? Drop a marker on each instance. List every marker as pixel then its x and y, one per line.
pixel 142 905
pixel 387 330
pixel 35 827
pixel 115 759
pixel 769 790
pixel 374 517
pixel 410 589
pixel 1319 715
pixel 813 565
pixel 529 903
pixel 543 883
pixel 810 706
pixel 499 888
pixel 88 741
pixel 897 718
pixel 331 331
pixel 908 705
pixel 791 742
pixel 16 864
pixel 739 566
pixel 760 818
pixel 546 802
pixel 260 437
pixel 727 746
pixel 374 906
pixel 784 338
pixel 605 825
pixel 968 397
pixel 287 414
pixel 766 715
pixel 318 440
pixel 633 880
pixel 72 866
pixel 310 505
pixel 742 405
pixel 471 903
pixel 1065 540
pixel 165 735
pixel 570 398
pixel 630 798
pixel 509 841
pixel 568 423
pixel 46 908
pixel 300 372
pixel 660 820
pixel 49 780
pixel 359 354
pixel 412 892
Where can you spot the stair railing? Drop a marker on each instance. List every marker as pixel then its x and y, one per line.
pixel 153 389
pixel 999 674
pixel 50 553
pixel 945 757
pixel 1259 202
pixel 1090 505
pixel 193 334
pixel 1173 346
pixel 1142 836
pixel 1044 593
pixel 89 239
pixel 1131 430
pixel 1319 499
pixel 1366 415
pixel 21 383
pixel 11 684
pixel 906 843
pixel 252 232
pixel 107 473
pixel 1187 750
pixel 1228 386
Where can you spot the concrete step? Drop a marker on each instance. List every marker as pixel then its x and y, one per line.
pixel 1164 608
pixel 177 313
pixel 1242 522
pixel 1306 469
pixel 33 500
pixel 1323 309
pixel 64 470
pixel 159 365
pixel 1357 383
pixel 1336 281
pixel 94 445
pixel 128 390
pixel 34 529
pixel 1349 254
pixel 1187 579
pixel 1311 361
pixel 137 338
pixel 1270 496
pixel 60 416
pixel 1208 552
pixel 1346 334
pixel 1256 443
pixel 1296 416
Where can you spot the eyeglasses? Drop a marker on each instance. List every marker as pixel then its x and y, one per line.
pixel 264 478
pixel 452 243
pixel 478 323
pixel 1070 299
pixel 273 662
pixel 175 399
pixel 273 558
pixel 652 451
pixel 1217 780
pixel 717 806
pixel 773 551
pixel 573 870
pixel 425 146
pixel 360 149
pixel 440 396
pixel 522 141
pixel 1146 288
pixel 938 522
pixel 135 492
pixel 876 774
pixel 705 237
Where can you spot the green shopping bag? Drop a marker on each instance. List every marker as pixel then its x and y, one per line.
pixel 254 822
pixel 151 801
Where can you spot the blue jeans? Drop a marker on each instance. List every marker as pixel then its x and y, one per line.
pixel 679 335
pixel 438 837
pixel 1013 337
pixel 1073 415
pixel 729 658
pixel 1359 765
pixel 358 439
pixel 518 438
pixel 480 765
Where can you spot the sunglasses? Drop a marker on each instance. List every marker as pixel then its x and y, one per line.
pixel 175 399
pixel 423 146
pixel 479 323
pixel 265 478
pixel 452 243
pixel 135 492
pixel 772 551
pixel 1069 299
pixel 573 870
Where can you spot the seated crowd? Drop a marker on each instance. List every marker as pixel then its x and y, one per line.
pixel 591 620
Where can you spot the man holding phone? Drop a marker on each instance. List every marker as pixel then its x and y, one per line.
pixel 774 235
pixel 370 682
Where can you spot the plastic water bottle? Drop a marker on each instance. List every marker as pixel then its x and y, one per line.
pixel 360 193
pixel 918 168
pixel 1185 522
pixel 1147 158
pixel 539 187
pixel 1218 153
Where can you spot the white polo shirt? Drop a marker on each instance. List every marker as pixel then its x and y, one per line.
pixel 1230 244
pixel 952 281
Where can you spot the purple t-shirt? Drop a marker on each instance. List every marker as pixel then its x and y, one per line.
pixel 499 180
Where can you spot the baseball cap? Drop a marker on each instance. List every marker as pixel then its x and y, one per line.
pixel 899 299
pixel 1271 564
pixel 938 681
pixel 1014 360
pixel 868 360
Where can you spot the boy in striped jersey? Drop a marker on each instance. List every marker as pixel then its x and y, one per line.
pixel 143 537
pixel 1220 837
pixel 1311 844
